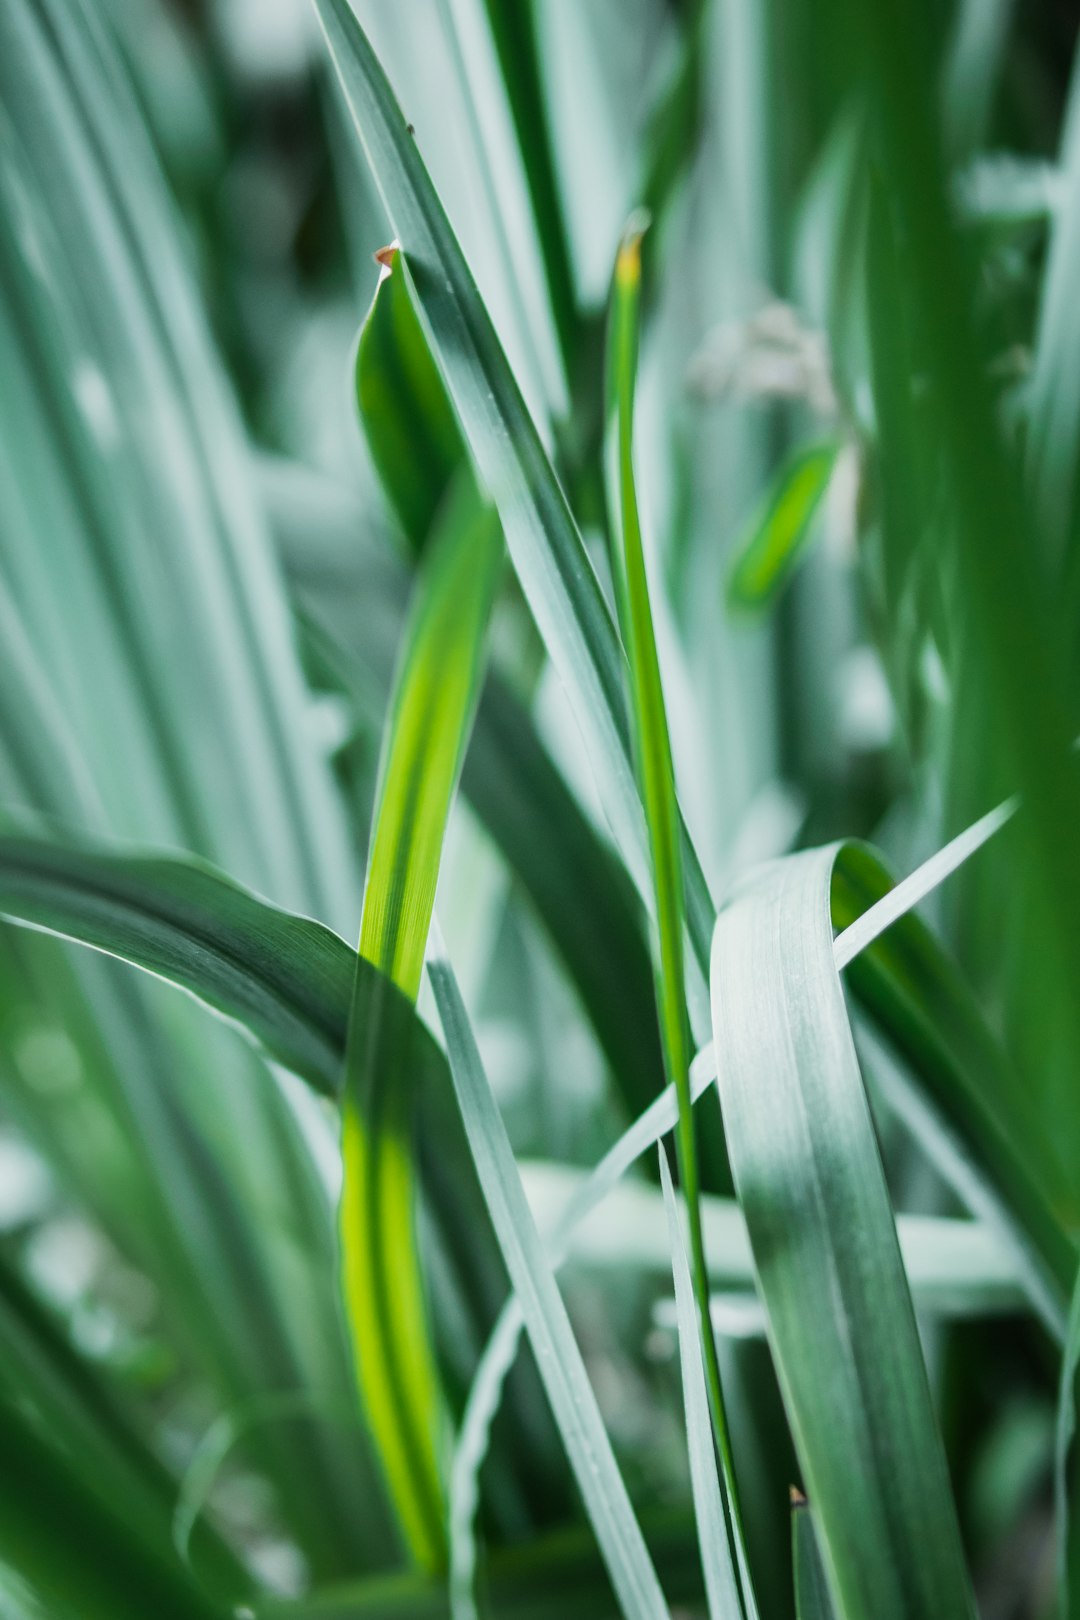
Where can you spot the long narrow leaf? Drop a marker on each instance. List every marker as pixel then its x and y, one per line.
pixel 721 1578
pixel 656 776
pixel 811 1184
pixel 427 730
pixel 558 1357
pixel 812 1600
pixel 415 443
pixel 547 551
pixel 284 979
pixel 768 555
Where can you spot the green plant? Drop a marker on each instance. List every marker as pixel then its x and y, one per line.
pixel 356 1282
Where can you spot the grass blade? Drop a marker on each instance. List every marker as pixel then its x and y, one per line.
pixel 810 1181
pixel 549 557
pixel 812 1600
pixel 415 442
pixel 558 1357
pixel 574 881
pixel 656 775
pixel 284 979
pixel 721 1579
pixel 424 743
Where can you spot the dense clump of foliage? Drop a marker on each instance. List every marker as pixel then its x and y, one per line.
pixel 597 749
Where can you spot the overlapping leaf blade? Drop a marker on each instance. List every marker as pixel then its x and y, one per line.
pixel 558 1357
pixel 427 729
pixel 809 1177
pixel 547 551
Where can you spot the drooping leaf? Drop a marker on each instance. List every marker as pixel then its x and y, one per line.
pixel 284 979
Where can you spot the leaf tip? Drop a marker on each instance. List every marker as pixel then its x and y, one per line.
pixel 628 262
pixel 385 257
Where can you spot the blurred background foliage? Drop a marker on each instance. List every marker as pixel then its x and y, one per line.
pixel 204 567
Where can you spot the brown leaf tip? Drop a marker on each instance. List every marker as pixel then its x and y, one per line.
pixel 796 1497
pixel 385 256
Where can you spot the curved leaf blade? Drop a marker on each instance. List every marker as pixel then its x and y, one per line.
pixel 284 979
pixel 549 557
pixel 427 729
pixel 840 1319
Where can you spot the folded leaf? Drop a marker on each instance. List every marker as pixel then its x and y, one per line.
pixel 840 1320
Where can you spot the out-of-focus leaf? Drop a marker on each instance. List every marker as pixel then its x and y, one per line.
pixel 840 1320
pixel 561 1571
pixel 1009 627
pixel 954 1266
pixel 105 1569
pixel 40 1368
pixel 976 55
pixel 768 555
pixel 1053 390
pixel 1068 1530
pixel 426 733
